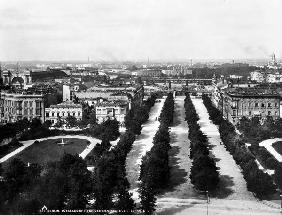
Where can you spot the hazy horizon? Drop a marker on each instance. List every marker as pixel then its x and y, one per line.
pixel 133 30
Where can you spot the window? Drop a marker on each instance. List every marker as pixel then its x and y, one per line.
pixel 234 112
pixel 73 113
pixel 47 114
pixel 53 114
pixel 269 104
pixel 25 103
pixel 256 104
pixel 78 113
pixel 269 113
pixel 58 114
pixel 262 104
pixel 275 104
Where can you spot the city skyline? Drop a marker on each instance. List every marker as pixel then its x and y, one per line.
pixel 135 30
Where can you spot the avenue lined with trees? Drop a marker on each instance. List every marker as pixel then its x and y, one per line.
pixel 155 172
pixel 204 173
pixel 258 182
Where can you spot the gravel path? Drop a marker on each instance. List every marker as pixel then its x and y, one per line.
pixel 141 145
pixel 171 206
pixel 268 145
pixel 231 176
pixel 179 161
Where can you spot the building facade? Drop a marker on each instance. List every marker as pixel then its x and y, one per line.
pixel 236 104
pixel 111 110
pixel 61 111
pixel 18 79
pixel 17 106
pixel 257 76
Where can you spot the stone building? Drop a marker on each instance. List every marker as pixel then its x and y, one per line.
pixel 250 102
pixel 111 110
pixel 16 106
pixel 61 111
pixel 18 79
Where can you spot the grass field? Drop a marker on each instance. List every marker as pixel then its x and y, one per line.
pixel 278 147
pixel 49 150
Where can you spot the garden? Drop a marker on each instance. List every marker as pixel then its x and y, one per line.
pixel 42 152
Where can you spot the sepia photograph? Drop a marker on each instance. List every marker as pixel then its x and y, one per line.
pixel 141 107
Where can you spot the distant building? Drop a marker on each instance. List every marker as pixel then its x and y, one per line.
pixel 148 73
pixel 111 110
pixel 274 78
pixel 18 79
pixel 62 111
pixel 67 93
pixel 178 70
pixel 257 76
pixel 273 63
pixel 249 102
pixel 16 106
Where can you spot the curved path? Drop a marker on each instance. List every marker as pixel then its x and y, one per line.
pixel 87 150
pixel 268 145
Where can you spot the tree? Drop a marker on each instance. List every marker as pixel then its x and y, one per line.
pixel 125 203
pixel 110 129
pixel 71 121
pixel 104 181
pixel 59 122
pixel 35 124
pixel 47 124
pixel 278 176
pixel 148 199
pixel 29 207
pixel 66 184
pixel 15 177
pixel 204 173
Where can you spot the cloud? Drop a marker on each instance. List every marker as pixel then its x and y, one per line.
pixel 136 29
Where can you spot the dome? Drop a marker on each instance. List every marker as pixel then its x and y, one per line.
pixel 17 80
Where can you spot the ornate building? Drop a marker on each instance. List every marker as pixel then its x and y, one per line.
pixel 61 111
pixel 239 102
pixel 18 79
pixel 16 106
pixel 111 110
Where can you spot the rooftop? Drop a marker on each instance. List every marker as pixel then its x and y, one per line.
pixel 253 92
pixel 112 103
pixel 67 104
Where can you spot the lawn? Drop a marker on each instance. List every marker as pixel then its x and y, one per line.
pixel 278 147
pixel 49 150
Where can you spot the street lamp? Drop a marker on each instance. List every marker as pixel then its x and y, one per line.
pixel 281 202
pixel 208 200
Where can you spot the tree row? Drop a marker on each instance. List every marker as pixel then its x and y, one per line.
pixel 258 182
pixel 155 171
pixel 204 175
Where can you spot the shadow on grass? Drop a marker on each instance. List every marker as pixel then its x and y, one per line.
pixel 177 175
pixel 224 187
pixel 176 115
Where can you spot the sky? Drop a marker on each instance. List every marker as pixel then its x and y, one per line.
pixel 119 30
